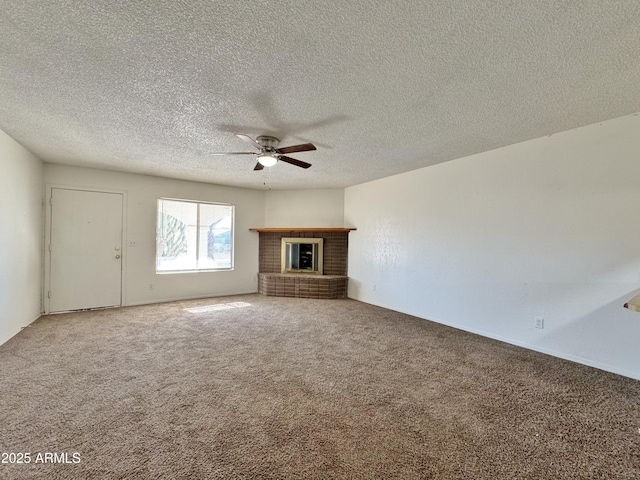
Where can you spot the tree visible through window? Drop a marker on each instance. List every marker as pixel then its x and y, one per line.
pixel 194 236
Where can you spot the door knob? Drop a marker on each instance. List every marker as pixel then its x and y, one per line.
pixel 117 256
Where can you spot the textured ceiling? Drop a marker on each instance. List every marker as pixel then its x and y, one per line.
pixel 380 87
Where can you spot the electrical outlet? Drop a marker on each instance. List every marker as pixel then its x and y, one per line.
pixel 133 243
pixel 374 287
pixel 151 286
pixel 539 322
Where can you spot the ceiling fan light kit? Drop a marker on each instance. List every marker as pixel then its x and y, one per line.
pixel 269 153
pixel 267 160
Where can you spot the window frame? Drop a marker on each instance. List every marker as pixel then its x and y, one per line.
pixel 198 203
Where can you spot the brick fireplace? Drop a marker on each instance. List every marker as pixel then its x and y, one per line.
pixel 331 284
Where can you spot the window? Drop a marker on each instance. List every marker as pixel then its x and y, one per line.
pixel 194 236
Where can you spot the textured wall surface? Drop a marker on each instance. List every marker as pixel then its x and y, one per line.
pixel 304 208
pixel 546 228
pixel 21 236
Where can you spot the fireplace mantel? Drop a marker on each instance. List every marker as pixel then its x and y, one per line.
pixel 298 229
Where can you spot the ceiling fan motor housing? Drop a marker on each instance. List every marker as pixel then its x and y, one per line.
pixel 268 143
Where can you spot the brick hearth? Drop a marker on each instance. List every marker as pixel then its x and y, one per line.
pixel 302 286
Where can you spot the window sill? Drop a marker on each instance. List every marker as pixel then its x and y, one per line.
pixel 170 272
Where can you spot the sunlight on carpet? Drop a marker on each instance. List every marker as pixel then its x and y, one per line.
pixel 218 306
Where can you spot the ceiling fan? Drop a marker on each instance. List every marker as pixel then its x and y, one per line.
pixel 269 153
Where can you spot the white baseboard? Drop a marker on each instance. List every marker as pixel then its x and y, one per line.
pixel 6 336
pixel 195 297
pixel 528 346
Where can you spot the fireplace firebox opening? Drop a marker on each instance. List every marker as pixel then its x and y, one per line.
pixel 302 255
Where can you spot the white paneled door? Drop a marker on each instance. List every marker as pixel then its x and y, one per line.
pixel 86 250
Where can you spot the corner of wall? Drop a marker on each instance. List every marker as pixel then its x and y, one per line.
pixel 21 239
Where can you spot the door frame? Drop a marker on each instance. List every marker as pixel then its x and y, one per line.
pixel 47 238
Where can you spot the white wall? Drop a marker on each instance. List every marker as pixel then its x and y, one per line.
pixel 21 200
pixel 547 228
pixel 305 208
pixel 142 193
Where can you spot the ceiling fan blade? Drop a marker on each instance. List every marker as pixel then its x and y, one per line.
pixel 295 162
pixel 234 153
pixel 250 140
pixel 258 166
pixel 303 147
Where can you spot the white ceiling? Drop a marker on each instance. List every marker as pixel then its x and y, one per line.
pixel 380 87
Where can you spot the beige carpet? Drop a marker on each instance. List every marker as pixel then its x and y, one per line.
pixel 260 387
